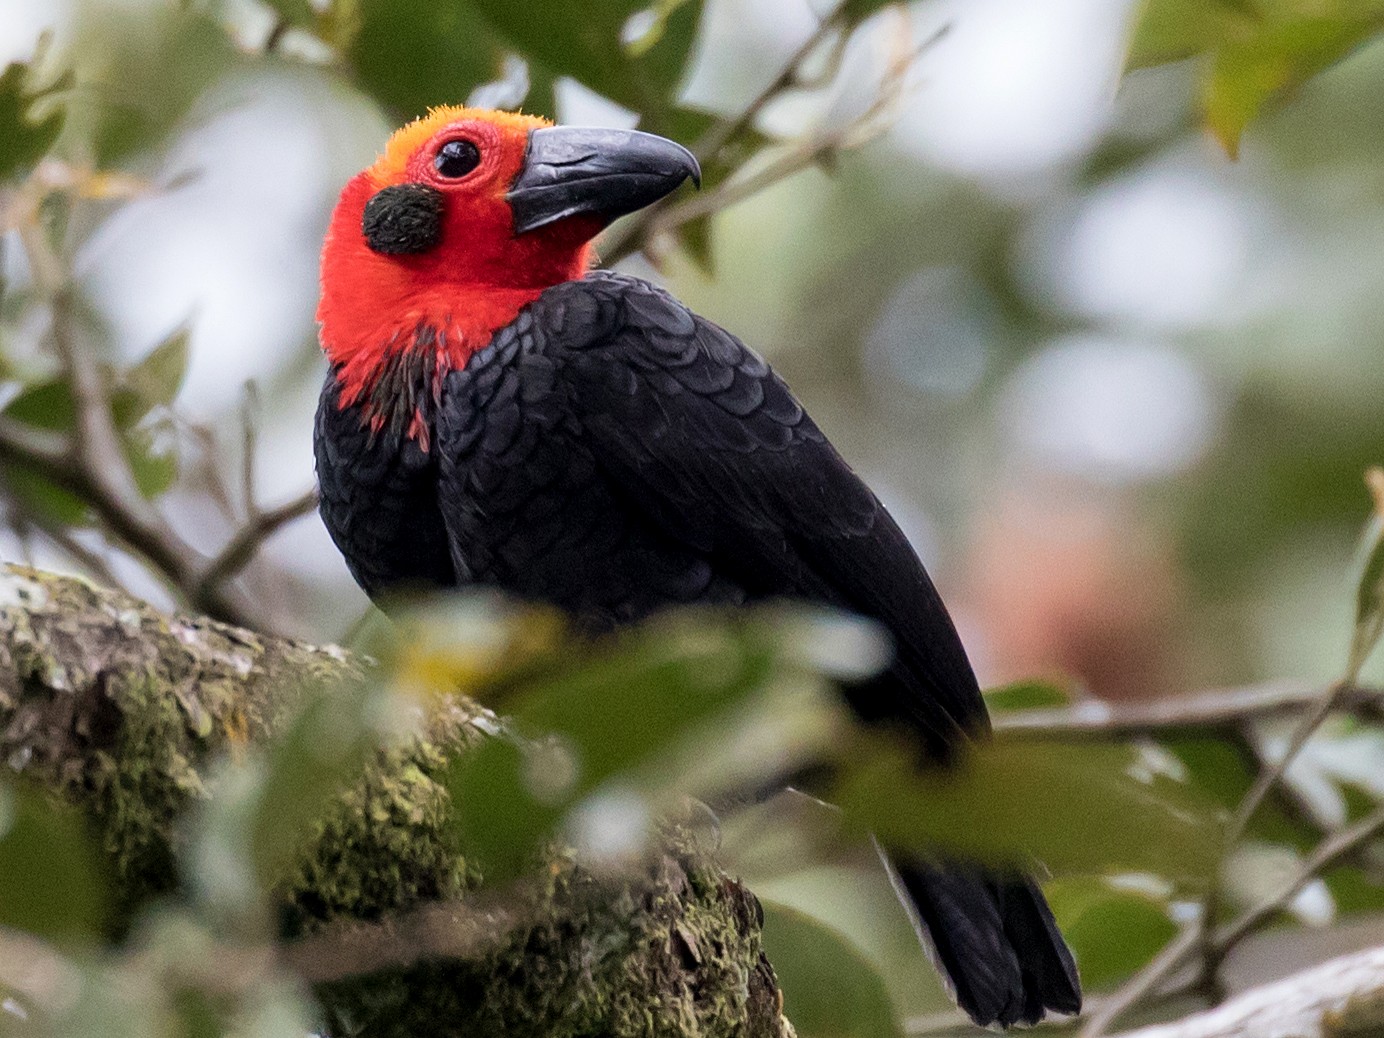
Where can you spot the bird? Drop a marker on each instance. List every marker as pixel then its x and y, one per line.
pixel 498 412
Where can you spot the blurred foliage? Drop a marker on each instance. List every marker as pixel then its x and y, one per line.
pixel 1251 52
pixel 599 742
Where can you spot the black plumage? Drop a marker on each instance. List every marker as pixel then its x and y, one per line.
pixel 612 453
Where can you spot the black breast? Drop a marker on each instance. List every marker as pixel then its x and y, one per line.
pixel 529 507
pixel 379 489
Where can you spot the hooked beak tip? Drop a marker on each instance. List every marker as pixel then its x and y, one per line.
pixel 595 172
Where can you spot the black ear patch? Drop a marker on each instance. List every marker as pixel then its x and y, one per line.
pixel 406 218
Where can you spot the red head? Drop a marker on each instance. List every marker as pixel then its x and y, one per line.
pixel 467 216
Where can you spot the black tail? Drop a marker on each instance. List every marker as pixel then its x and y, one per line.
pixel 996 941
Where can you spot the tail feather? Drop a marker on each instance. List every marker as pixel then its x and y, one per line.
pixel 995 939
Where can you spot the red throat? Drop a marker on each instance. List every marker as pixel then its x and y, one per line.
pixel 472 284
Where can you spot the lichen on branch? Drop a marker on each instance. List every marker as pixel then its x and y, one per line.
pixel 123 710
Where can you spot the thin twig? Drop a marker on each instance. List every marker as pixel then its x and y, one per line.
pixel 1174 954
pixel 1329 852
pixel 1218 709
pixel 729 130
pixel 241 548
pixel 92 463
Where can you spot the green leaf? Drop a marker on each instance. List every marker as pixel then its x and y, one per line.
pixel 1254 51
pixel 139 72
pixel 155 380
pixel 307 764
pixel 612 710
pixel 1247 74
pixel 830 990
pixel 1011 801
pixel 1369 588
pixel 153 461
pixel 51 884
pixel 45 498
pixel 500 819
pixel 1112 932
pixel 695 239
pixel 414 54
pixel 26 130
pixel 859 10
pixel 1027 695
pixel 45 405
pixel 1171 30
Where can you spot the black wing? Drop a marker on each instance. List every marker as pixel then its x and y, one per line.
pixel 701 435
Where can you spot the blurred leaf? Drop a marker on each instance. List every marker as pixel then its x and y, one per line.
pixel 1255 50
pixel 51 886
pixel 1027 695
pixel 617 706
pixel 154 381
pixel 45 405
pixel 1112 932
pixel 859 10
pixel 307 764
pixel 1171 30
pixel 1076 809
pixel 413 54
pixel 153 461
pixel 139 70
pixel 500 820
pixel 830 990
pixel 1369 589
pixel 25 135
pixel 695 238
pixel 45 498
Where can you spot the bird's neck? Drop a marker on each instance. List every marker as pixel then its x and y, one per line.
pixel 365 334
pixel 387 322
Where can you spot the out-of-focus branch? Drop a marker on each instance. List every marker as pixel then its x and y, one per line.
pixel 647 226
pixel 93 465
pixel 1219 709
pixel 1331 850
pixel 241 548
pixel 1343 997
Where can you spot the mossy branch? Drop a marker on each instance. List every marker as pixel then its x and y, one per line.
pixel 123 710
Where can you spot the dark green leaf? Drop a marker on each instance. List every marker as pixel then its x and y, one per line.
pixel 44 498
pixel 500 820
pixel 28 127
pixel 152 460
pixel 414 54
pixel 1076 809
pixel 1369 589
pixel 695 239
pixel 618 706
pixel 1112 932
pixel 830 990
pixel 45 405
pixel 51 886
pixel 156 380
pixel 308 763
pixel 1254 51
pixel 297 13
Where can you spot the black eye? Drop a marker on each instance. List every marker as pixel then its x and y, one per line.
pixel 457 158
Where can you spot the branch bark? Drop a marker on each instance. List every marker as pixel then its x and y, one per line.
pixel 1343 998
pixel 122 709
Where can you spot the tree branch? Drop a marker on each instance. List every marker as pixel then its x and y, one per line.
pixel 1340 998
pixel 1202 712
pixel 124 710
